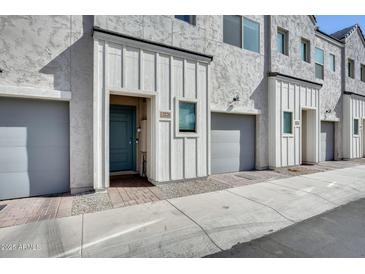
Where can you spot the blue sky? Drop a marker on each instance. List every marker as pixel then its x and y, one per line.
pixel 333 23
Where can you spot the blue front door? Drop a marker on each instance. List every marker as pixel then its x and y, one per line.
pixel 122 138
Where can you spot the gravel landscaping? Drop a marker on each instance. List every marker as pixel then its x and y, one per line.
pixel 90 202
pixel 186 188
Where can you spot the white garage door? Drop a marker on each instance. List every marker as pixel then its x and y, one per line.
pixel 34 147
pixel 232 142
pixel 327 141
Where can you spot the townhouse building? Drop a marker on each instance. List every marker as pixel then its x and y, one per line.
pixel 84 98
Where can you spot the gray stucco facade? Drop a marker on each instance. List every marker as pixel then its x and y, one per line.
pixel 52 58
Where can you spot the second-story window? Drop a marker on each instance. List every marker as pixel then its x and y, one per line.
pixel 232 30
pixel 282 41
pixel 191 19
pixel 350 68
pixel 362 72
pixel 241 32
pixel 332 62
pixel 319 63
pixel 305 50
pixel 251 35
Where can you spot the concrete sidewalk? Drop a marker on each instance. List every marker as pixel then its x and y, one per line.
pixel 192 226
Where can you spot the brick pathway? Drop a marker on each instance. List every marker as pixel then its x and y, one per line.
pixel 27 210
pixel 127 191
pixel 131 191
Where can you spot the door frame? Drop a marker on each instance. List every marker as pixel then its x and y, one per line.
pixel 134 148
pixel 333 137
pixel 315 129
pixel 101 134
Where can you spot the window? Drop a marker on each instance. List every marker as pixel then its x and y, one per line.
pixel 251 35
pixel 187 116
pixel 191 19
pixel 241 32
pixel 350 68
pixel 332 62
pixel 232 27
pixel 288 122
pixel 305 50
pixel 356 126
pixel 319 62
pixel 282 41
pixel 362 72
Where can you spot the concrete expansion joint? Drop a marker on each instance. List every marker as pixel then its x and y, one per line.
pixel 311 193
pixel 257 202
pixel 195 222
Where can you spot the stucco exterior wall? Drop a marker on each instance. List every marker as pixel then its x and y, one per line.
pixel 54 53
pixel 354 50
pixel 234 71
pixel 298 26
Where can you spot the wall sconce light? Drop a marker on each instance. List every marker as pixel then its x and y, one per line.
pixel 236 98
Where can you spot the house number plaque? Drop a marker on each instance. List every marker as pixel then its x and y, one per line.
pixel 165 114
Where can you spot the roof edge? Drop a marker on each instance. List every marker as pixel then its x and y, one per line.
pixel 329 37
pixel 278 74
pixel 113 33
pixel 353 93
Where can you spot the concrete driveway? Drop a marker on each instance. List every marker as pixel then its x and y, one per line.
pixel 192 226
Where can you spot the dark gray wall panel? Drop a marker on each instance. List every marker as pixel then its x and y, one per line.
pixel 327 141
pixel 34 147
pixel 232 142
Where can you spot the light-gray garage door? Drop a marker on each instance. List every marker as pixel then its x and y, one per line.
pixel 232 142
pixel 34 147
pixel 327 141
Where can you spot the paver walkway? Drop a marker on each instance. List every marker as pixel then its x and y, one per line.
pixel 135 190
pixel 190 226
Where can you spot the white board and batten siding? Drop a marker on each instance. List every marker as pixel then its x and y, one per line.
pixel 354 108
pixel 164 74
pixel 292 96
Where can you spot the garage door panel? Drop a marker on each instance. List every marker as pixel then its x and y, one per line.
pixel 37 156
pixel 224 165
pixel 232 142
pixel 225 150
pixel 34 147
pixel 13 159
pixel 227 136
pixel 13 136
pixel 14 185
pixel 54 183
pixel 47 134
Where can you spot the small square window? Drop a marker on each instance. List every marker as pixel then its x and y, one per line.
pixel 187 117
pixel 288 122
pixel 191 19
pixel 362 72
pixel 350 68
pixel 282 41
pixel 356 126
pixel 305 50
pixel 332 62
pixel 251 35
